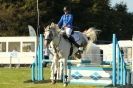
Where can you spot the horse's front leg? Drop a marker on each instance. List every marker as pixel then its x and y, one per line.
pixel 54 69
pixel 65 72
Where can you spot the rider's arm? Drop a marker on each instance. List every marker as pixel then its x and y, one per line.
pixel 60 23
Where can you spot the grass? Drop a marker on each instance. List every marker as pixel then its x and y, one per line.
pixel 16 77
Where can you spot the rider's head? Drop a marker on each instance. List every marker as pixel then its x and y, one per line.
pixel 66 9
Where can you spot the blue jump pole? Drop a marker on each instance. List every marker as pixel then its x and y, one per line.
pixel 122 67
pixel 118 77
pixel 41 58
pixel 37 66
pixel 124 72
pixel 33 71
pixel 121 74
pixel 118 65
pixel 38 62
pixel 114 60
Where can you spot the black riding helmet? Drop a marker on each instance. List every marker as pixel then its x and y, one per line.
pixel 66 8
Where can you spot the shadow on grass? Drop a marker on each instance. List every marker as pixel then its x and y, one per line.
pixel 119 86
pixel 39 82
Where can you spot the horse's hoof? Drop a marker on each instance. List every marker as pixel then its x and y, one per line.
pixel 66 84
pixel 53 81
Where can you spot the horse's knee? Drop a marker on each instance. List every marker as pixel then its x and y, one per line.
pixel 66 76
pixel 52 66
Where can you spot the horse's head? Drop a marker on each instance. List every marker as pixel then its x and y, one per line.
pixel 50 32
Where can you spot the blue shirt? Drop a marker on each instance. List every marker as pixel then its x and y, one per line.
pixel 66 20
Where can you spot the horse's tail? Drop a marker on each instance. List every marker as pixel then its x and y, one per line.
pixel 91 33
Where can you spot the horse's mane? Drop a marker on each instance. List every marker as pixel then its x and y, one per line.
pixel 52 25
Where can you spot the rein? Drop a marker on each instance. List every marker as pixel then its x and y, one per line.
pixel 55 46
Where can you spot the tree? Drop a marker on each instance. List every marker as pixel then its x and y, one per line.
pixel 15 15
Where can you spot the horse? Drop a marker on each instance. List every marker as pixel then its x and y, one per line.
pixel 61 47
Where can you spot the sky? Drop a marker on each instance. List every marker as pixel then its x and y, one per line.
pixel 129 4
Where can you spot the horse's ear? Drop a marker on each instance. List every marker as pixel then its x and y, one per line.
pixel 52 24
pixel 46 28
pixel 56 26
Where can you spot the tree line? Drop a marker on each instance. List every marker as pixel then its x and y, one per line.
pixel 16 15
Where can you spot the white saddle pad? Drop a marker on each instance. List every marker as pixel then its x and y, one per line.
pixel 76 36
pixel 79 37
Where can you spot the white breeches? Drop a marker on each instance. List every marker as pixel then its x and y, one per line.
pixel 68 31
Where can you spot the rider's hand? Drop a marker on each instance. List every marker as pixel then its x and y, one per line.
pixel 63 28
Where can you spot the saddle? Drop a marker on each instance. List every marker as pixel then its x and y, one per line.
pixel 78 39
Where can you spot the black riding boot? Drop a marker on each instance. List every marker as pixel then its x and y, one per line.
pixel 71 39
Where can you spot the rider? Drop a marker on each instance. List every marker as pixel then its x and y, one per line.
pixel 66 22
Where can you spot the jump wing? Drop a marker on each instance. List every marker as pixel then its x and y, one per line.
pixel 31 31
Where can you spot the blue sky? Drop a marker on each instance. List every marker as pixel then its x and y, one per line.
pixel 128 2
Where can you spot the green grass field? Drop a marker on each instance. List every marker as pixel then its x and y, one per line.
pixel 17 77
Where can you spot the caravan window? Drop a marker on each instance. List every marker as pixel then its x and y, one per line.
pixel 14 46
pixel 28 46
pixel 127 53
pixel 2 46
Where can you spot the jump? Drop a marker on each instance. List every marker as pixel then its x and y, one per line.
pixel 62 47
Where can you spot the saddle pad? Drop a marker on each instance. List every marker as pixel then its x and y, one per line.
pixel 79 38
pixel 76 36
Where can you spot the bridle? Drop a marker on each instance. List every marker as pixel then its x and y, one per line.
pixel 48 37
pixel 51 36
